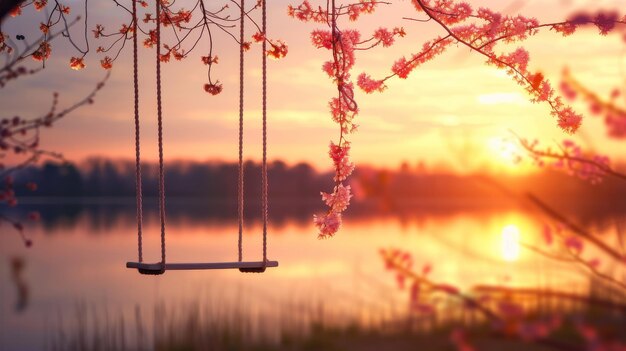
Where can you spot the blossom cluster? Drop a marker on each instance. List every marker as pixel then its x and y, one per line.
pixel 43 51
pixel 177 19
pixel 308 13
pixel 403 66
pixel 329 223
pixel 338 201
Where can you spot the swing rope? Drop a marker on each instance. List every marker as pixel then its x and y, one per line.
pixel 264 181
pixel 241 72
pixel 159 268
pixel 160 128
pixel 264 170
pixel 138 190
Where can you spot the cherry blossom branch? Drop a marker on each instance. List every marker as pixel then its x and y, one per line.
pixel 516 66
pixel 12 129
pixel 563 26
pixel 508 318
pixel 547 254
pixel 570 156
pixel 620 237
pixel 19 228
pixel 454 18
pixel 613 114
pixel 8 71
pixel 576 229
pixel 55 17
pixel 400 263
pixel 572 244
pixel 592 267
pixel 186 37
pixel 573 256
pixel 66 32
pixel 21 136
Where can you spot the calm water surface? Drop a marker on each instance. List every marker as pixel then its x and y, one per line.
pixel 78 264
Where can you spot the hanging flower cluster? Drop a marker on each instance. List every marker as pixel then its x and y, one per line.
pixel 277 50
pixel 76 63
pixel 343 107
pixel 343 110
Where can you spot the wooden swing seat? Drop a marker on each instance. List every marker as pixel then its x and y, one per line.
pixel 245 267
pixel 160 267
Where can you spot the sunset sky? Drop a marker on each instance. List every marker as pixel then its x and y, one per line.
pixel 450 112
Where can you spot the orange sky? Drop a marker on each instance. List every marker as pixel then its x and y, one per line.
pixel 448 112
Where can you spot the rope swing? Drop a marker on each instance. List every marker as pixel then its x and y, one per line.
pixel 161 267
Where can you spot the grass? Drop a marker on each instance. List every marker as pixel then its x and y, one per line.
pixel 211 326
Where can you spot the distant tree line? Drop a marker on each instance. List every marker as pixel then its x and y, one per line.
pixel 99 177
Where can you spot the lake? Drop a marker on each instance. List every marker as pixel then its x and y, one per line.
pixel 77 283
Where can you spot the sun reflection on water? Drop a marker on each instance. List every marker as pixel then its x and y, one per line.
pixel 510 243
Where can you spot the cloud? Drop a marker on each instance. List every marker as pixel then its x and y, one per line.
pixel 502 99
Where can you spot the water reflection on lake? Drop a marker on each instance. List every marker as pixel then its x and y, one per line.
pixel 78 259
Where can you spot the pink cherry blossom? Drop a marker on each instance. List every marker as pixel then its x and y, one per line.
pixel 370 85
pixel 547 234
pixel 339 200
pixel 384 36
pixel 328 224
pixel 574 243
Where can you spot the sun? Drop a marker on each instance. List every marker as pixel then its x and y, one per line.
pixel 504 150
pixel 510 245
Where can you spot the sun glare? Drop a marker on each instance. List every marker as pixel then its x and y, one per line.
pixel 504 149
pixel 510 243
